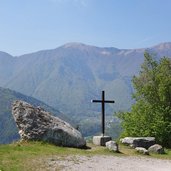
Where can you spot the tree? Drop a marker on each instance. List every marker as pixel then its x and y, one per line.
pixel 151 113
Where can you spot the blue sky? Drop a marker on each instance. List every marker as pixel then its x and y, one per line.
pixel 32 25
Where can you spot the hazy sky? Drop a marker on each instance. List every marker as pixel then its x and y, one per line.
pixel 32 25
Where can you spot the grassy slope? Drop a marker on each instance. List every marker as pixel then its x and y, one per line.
pixel 34 155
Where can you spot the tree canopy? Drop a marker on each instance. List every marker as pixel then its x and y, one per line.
pixel 151 113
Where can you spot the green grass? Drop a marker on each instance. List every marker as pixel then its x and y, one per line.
pixel 126 150
pixel 34 155
pixel 163 156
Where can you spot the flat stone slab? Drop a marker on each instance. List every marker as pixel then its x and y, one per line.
pixel 101 140
pixel 134 142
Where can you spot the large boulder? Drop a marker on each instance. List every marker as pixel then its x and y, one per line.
pixel 134 142
pixel 37 124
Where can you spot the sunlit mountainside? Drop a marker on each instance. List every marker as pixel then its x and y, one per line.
pixel 68 77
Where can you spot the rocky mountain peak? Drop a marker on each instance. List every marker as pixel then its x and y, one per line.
pixel 78 46
pixel 163 46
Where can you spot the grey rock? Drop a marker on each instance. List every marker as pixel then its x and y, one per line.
pixel 112 146
pixel 134 142
pixel 142 150
pixel 156 148
pixel 127 140
pixel 37 124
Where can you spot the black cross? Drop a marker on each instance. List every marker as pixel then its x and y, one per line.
pixel 103 101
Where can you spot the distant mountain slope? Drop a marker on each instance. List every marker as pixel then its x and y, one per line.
pixel 8 129
pixel 69 76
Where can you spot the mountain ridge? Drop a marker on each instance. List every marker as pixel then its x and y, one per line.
pixel 79 44
pixel 70 76
pixel 87 61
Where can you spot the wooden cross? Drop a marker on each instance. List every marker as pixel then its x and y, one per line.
pixel 103 101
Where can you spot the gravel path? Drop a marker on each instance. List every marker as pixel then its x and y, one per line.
pixel 111 163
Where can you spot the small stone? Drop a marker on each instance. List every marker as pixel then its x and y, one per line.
pixel 156 148
pixel 142 150
pixel 127 140
pixel 112 146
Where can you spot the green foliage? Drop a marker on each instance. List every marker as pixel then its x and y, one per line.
pixel 151 114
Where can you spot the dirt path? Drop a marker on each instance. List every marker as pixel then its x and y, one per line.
pixel 109 163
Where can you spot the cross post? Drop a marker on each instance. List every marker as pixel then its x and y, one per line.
pixel 103 101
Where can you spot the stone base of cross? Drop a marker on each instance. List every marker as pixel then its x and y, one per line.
pixel 101 140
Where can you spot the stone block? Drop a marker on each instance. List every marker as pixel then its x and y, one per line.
pixel 101 140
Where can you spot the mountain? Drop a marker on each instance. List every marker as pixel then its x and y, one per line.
pixel 68 77
pixel 8 129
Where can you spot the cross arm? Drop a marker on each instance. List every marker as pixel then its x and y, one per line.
pixel 100 101
pixel 109 101
pixel 96 101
